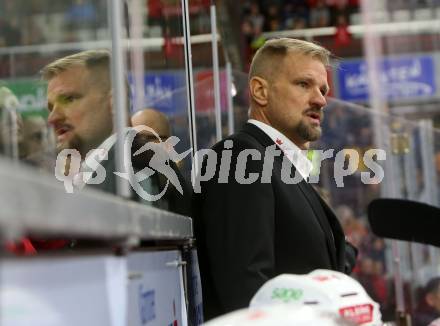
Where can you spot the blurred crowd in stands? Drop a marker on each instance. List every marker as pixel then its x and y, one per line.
pixel 351 128
pixel 260 16
pixel 297 14
pixel 42 22
pixel 288 15
pixel 370 270
pixel 422 300
pixel 30 22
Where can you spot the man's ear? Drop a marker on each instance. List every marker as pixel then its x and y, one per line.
pixel 258 88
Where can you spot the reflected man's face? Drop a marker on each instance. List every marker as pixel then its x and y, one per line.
pixel 79 110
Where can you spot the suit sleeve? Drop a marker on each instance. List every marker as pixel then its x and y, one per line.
pixel 239 231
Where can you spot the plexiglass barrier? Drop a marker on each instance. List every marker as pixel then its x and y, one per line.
pixel 414 146
pixel 154 69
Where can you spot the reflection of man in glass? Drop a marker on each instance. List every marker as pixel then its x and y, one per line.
pixel 79 100
pixel 80 111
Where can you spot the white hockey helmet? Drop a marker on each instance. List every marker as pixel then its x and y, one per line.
pixel 324 290
pixel 279 315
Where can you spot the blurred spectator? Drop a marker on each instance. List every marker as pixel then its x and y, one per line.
pixel 155 12
pixel 35 132
pixel 272 20
pixel 372 279
pixel 336 128
pixel 342 35
pixel 428 308
pixel 255 17
pixel 10 34
pixel 33 34
pixel 274 25
pixel 81 14
pixel 247 30
pixel 153 119
pixel 258 40
pixel 339 9
pixel 296 14
pixel 81 21
pixel 354 230
pixel 38 143
pixel 320 15
pixel 287 16
pixel 380 286
pixel 11 124
pixel 377 251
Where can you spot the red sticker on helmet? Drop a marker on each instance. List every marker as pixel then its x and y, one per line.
pixel 359 314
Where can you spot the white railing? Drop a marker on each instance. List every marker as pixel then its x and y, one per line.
pixel 38 204
pixel 392 28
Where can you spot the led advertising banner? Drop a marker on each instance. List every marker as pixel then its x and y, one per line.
pixel 31 94
pixel 402 78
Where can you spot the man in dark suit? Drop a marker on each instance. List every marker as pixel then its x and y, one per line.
pixel 257 217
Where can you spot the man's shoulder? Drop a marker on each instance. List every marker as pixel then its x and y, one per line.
pixel 248 137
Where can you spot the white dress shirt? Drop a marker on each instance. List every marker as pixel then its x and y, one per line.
pixel 295 155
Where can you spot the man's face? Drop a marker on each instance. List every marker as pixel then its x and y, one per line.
pixel 296 96
pixel 79 110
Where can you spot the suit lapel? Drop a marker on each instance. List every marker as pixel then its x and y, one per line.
pixel 313 199
pixel 337 232
pixel 331 232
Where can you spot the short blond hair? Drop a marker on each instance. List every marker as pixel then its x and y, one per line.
pixel 93 60
pixel 275 50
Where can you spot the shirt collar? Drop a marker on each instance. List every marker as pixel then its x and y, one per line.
pixel 295 155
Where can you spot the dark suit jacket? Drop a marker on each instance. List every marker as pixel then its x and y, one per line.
pixel 249 233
